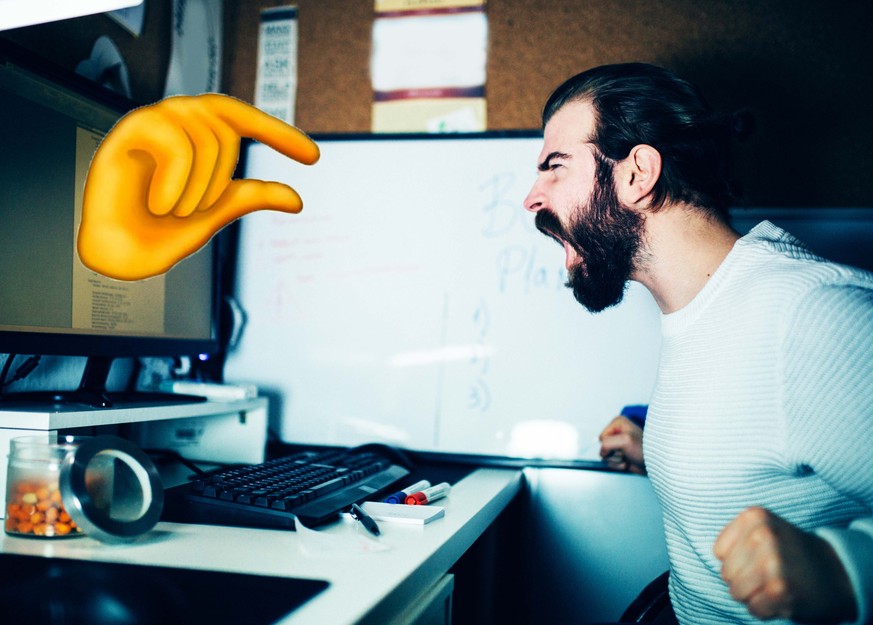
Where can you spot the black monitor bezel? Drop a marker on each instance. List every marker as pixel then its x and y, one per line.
pixel 103 345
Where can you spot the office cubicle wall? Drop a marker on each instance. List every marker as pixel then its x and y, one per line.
pixel 593 541
pixel 843 235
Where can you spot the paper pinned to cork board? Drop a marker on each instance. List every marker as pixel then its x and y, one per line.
pixel 276 80
pixel 429 66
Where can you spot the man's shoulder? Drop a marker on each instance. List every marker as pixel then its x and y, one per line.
pixel 774 257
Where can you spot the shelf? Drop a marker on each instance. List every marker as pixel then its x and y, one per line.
pixel 58 416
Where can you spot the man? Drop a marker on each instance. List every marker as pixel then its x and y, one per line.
pixel 759 432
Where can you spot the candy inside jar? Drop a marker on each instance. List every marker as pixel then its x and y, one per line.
pixel 34 505
pixel 36 509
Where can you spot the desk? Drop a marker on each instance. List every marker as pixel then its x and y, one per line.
pixel 366 587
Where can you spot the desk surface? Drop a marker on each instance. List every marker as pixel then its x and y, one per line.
pixel 371 579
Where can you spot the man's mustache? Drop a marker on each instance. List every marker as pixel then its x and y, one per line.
pixel 548 223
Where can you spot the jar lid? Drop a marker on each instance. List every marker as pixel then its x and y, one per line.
pixel 111 489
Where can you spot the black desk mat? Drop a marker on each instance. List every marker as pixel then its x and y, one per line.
pixel 58 591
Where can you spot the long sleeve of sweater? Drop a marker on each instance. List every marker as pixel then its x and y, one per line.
pixel 833 367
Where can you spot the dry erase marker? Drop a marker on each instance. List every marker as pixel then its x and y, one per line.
pixel 401 495
pixel 429 495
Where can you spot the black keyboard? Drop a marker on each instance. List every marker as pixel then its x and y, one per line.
pixel 314 486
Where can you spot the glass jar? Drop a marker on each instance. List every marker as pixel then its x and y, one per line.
pixel 34 505
pixel 102 486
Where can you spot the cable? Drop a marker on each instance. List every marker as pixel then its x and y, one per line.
pixel 26 369
pixel 6 366
pixel 23 370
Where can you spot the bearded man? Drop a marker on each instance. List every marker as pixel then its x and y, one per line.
pixel 760 428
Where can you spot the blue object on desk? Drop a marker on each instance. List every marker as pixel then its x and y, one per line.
pixel 636 413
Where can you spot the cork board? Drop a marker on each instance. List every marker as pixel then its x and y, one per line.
pixel 800 66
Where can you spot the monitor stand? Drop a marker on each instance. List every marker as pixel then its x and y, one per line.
pixel 92 391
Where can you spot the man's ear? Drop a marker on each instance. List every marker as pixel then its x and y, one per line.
pixel 637 175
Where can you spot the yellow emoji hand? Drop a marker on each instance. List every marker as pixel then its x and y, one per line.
pixel 160 184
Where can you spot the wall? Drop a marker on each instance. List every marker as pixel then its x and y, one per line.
pixel 801 66
pixel 574 547
pixel 593 541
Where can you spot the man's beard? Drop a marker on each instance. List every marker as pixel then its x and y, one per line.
pixel 606 236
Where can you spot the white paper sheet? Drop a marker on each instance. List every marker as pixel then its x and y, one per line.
pixel 429 51
pixel 276 82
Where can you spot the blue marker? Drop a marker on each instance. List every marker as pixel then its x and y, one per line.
pixel 401 495
pixel 637 414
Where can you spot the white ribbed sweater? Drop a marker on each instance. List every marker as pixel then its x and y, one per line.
pixel 764 398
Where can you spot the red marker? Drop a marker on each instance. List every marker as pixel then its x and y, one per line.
pixel 429 495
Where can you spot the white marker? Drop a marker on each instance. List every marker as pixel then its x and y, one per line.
pixel 429 495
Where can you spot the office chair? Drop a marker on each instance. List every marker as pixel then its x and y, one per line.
pixel 652 605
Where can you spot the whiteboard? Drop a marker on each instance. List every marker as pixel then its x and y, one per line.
pixel 413 302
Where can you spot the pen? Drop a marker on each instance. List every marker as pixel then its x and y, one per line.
pixel 401 495
pixel 366 520
pixel 429 495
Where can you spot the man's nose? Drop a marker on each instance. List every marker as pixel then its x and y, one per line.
pixel 534 200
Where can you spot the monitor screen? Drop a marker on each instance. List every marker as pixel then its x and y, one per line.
pixel 50 303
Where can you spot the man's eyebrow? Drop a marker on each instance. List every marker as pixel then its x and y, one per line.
pixel 547 162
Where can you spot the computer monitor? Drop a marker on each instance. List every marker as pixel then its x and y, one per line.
pixel 18 13
pixel 51 123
